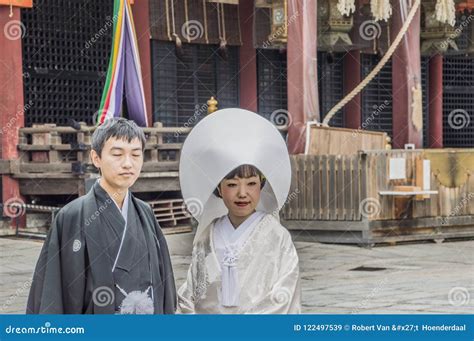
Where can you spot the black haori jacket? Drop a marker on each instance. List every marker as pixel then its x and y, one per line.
pixel 73 274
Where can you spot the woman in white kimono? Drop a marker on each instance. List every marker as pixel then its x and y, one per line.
pixel 235 176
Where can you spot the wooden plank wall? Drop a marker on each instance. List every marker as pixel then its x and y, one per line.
pixel 335 187
pixel 324 187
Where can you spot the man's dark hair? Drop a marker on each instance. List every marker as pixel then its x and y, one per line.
pixel 243 171
pixel 119 128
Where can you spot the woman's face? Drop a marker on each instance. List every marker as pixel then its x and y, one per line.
pixel 240 195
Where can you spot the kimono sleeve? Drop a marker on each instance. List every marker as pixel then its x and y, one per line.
pixel 285 295
pixel 169 303
pixel 185 293
pixel 46 292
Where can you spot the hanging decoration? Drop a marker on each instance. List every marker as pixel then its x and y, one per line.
pixel 333 27
pixel 436 37
pixel 222 31
pixel 124 72
pixel 346 7
pixel 446 11
pixel 279 19
pixel 381 9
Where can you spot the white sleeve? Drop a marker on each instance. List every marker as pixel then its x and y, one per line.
pixel 285 295
pixel 185 295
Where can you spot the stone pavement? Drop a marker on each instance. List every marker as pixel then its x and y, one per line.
pixel 403 279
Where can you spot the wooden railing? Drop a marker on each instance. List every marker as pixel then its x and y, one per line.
pixel 50 149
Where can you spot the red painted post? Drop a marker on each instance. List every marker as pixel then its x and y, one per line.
pixel 406 76
pixel 11 94
pixel 352 78
pixel 435 105
pixel 302 71
pixel 248 58
pixel 142 27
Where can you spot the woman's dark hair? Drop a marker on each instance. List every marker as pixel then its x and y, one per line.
pixel 243 171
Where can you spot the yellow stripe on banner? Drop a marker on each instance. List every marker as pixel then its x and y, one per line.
pixel 117 35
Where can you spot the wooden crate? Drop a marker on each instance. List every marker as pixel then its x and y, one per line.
pixel 343 141
pixel 172 215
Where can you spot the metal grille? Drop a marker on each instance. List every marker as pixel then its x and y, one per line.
pixel 425 80
pixel 272 81
pixel 376 97
pixel 183 85
pixel 458 104
pixel 331 85
pixel 65 57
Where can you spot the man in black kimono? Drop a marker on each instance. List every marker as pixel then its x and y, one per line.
pixel 105 252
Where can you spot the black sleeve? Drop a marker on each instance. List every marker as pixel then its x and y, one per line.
pixel 170 300
pixel 59 279
pixel 46 289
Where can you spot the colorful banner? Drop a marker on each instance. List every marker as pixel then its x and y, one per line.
pixel 124 72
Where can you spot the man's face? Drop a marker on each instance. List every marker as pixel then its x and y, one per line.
pixel 120 163
pixel 241 195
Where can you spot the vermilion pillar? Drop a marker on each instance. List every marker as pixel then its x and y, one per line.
pixel 435 105
pixel 141 17
pixel 11 93
pixel 248 60
pixel 352 78
pixel 302 71
pixel 406 77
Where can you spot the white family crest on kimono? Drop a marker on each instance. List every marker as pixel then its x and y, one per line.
pixel 263 280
